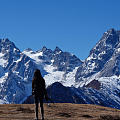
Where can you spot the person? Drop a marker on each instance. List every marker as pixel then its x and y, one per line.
pixel 39 92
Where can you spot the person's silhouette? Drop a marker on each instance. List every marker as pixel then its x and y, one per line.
pixel 39 92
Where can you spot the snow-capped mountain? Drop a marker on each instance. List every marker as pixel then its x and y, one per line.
pixel 103 60
pixel 15 71
pixel 101 70
pixel 17 68
pixel 94 81
pixel 56 65
pixel 99 56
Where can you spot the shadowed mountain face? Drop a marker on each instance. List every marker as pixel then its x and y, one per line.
pixel 68 79
pixel 61 94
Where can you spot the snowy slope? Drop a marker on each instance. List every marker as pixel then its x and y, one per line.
pixel 52 73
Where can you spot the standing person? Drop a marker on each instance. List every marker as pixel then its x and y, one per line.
pixel 39 92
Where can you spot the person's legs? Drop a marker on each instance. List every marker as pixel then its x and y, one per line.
pixel 42 109
pixel 36 108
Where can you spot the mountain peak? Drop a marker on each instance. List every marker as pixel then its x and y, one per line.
pixel 57 50
pixel 8 46
pixel 101 53
pixel 28 49
pixel 111 30
pixel 5 40
pixel 44 48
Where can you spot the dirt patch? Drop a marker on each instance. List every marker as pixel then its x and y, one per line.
pixel 25 110
pixel 63 114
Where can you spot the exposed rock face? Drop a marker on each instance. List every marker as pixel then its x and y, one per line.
pixel 104 56
pixel 95 84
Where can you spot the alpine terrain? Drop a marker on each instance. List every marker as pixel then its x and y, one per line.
pixel 96 80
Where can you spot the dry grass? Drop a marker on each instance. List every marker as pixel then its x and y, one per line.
pixel 59 111
pixel 109 117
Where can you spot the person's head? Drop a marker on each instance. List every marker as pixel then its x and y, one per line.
pixel 37 73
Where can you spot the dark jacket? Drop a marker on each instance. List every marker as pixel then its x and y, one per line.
pixel 39 88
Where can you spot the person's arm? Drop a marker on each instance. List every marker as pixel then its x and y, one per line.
pixel 33 87
pixel 45 91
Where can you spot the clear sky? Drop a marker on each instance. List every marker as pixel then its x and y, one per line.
pixel 73 25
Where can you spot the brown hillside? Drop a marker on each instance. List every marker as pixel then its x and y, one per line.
pixel 64 111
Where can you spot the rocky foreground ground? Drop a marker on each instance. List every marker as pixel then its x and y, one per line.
pixel 59 111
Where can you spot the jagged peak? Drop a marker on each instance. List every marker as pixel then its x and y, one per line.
pixel 57 50
pixel 7 44
pixel 111 31
pixel 5 40
pixel 44 48
pixel 28 49
pixel 110 37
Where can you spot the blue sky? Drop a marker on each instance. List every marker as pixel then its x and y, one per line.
pixel 73 25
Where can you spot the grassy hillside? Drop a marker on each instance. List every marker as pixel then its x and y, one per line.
pixel 64 111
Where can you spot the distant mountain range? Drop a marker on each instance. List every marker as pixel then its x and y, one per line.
pixel 96 80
